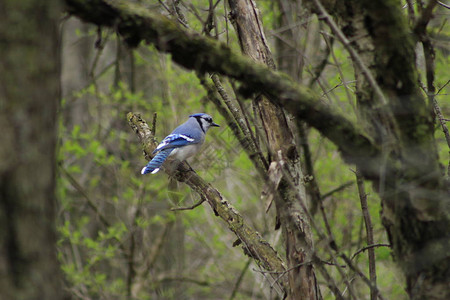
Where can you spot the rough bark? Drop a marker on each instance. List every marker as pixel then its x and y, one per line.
pixel 296 228
pixel 29 95
pixel 415 202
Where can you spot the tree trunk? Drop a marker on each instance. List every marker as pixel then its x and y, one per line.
pixel 29 95
pixel 296 229
pixel 414 199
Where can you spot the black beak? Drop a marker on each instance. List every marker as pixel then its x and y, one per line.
pixel 215 125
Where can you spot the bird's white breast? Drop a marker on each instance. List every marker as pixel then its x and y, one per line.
pixel 185 152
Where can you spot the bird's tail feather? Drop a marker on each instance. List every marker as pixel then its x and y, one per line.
pixel 154 165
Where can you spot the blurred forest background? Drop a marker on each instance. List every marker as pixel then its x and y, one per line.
pixel 121 235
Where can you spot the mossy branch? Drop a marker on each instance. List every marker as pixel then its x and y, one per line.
pixel 202 54
pixel 253 244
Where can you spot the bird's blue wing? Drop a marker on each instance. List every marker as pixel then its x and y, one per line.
pixel 175 141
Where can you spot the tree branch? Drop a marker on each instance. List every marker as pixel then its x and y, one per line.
pixel 254 245
pixel 195 52
pixel 369 233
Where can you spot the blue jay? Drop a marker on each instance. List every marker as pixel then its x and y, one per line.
pixel 182 143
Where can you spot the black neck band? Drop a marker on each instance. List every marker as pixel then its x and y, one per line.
pixel 201 124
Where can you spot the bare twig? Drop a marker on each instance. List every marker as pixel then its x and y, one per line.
pixel 99 45
pixel 338 189
pixel 369 233
pixel 237 115
pixel 180 16
pixel 410 7
pixel 117 73
pixel 82 191
pixel 132 77
pixel 429 55
pixel 442 87
pixel 323 63
pixel 239 119
pixel 369 247
pixel 155 250
pixel 313 187
pixel 341 73
pixel 361 274
pixel 443 4
pixel 239 280
pixel 441 118
pixel 245 140
pixel 94 207
pixel 153 128
pixel 186 279
pixel 131 267
pixel 189 207
pixel 255 136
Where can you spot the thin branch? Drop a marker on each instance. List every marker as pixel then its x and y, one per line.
pixel 155 250
pixel 132 76
pixel 245 141
pixel 313 186
pixel 94 207
pixel 369 233
pixel 180 16
pixel 318 70
pixel 239 280
pixel 441 118
pixel 131 272
pixel 82 191
pixel 239 118
pixel 197 204
pixel 153 128
pixel 186 279
pixel 369 247
pixel 338 189
pixel 442 87
pixel 117 72
pixel 340 71
pixel 99 45
pixel 429 55
pixel 443 4
pixel 410 7
pixel 361 274
pixel 246 114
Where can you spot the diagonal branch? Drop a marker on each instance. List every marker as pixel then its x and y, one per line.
pixel 254 245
